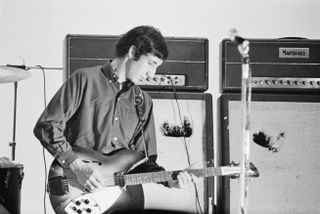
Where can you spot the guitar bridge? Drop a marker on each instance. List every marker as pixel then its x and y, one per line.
pixel 58 186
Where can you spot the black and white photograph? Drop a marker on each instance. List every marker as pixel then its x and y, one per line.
pixel 171 106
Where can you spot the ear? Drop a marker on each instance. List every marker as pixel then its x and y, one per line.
pixel 131 52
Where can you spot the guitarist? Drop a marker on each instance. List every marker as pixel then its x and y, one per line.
pixel 101 108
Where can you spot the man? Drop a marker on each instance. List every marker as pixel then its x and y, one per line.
pixel 101 108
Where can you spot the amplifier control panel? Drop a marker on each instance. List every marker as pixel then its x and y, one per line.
pixel 164 80
pixel 285 82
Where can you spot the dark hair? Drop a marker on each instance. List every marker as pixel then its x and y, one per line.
pixel 145 39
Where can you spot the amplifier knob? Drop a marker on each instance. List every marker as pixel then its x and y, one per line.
pixel 304 83
pixel 311 83
pixel 274 82
pixel 267 82
pixel 318 82
pixel 297 82
pixel 289 82
pixel 281 82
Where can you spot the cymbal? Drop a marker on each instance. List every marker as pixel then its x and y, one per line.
pixel 12 74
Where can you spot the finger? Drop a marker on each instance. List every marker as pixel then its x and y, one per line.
pixel 100 180
pixel 194 178
pixel 95 183
pixel 183 179
pixel 89 187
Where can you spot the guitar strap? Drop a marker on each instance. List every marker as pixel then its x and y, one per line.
pixel 139 102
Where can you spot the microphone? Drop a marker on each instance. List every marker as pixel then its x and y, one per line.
pixel 242 43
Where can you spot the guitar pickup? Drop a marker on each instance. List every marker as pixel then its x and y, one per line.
pixel 58 186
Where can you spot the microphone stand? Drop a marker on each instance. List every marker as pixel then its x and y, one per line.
pixel 245 100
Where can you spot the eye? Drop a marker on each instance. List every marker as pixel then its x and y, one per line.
pixel 152 63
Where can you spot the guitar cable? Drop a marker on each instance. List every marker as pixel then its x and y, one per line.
pixel 197 200
pixel 43 150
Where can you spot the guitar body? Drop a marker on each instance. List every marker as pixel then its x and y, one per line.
pixel 112 197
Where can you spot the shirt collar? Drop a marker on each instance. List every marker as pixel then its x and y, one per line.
pixel 109 72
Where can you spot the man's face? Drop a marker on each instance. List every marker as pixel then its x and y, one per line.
pixel 143 68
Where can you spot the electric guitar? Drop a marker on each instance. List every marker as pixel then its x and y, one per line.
pixel 67 196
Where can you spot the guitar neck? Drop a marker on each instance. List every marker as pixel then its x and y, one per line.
pixel 162 176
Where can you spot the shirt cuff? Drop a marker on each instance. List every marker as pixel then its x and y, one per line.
pixel 66 158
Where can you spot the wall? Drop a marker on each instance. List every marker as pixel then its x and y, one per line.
pixel 32 32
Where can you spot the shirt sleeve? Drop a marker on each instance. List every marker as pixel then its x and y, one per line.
pixel 50 127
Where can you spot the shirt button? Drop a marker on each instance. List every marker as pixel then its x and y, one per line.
pixel 110 81
pixel 63 161
pixel 116 118
pixel 115 138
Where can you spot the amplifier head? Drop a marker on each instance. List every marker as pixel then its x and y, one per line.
pixel 277 65
pixel 186 66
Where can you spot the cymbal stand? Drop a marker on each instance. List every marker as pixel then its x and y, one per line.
pixel 13 143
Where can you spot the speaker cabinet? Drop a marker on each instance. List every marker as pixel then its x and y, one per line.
pixel 284 147
pixel 195 111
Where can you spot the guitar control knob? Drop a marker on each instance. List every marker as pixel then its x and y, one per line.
pixel 86 201
pixel 79 211
pixel 74 208
pixel 78 203
pixel 88 210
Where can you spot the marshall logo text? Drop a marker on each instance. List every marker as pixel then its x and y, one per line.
pixel 293 52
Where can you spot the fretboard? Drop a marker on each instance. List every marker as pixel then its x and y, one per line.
pixel 162 176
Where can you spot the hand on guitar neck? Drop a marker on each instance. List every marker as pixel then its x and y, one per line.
pixel 87 176
pixel 184 180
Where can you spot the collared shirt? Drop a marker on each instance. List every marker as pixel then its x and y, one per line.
pixel 91 111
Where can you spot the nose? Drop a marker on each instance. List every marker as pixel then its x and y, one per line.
pixel 151 73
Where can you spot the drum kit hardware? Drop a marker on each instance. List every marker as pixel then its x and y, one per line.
pixel 11 173
pixel 13 74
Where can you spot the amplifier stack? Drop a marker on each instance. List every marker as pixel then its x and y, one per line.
pixel 284 115
pixel 177 89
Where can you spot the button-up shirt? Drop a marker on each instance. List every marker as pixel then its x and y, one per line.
pixel 91 110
